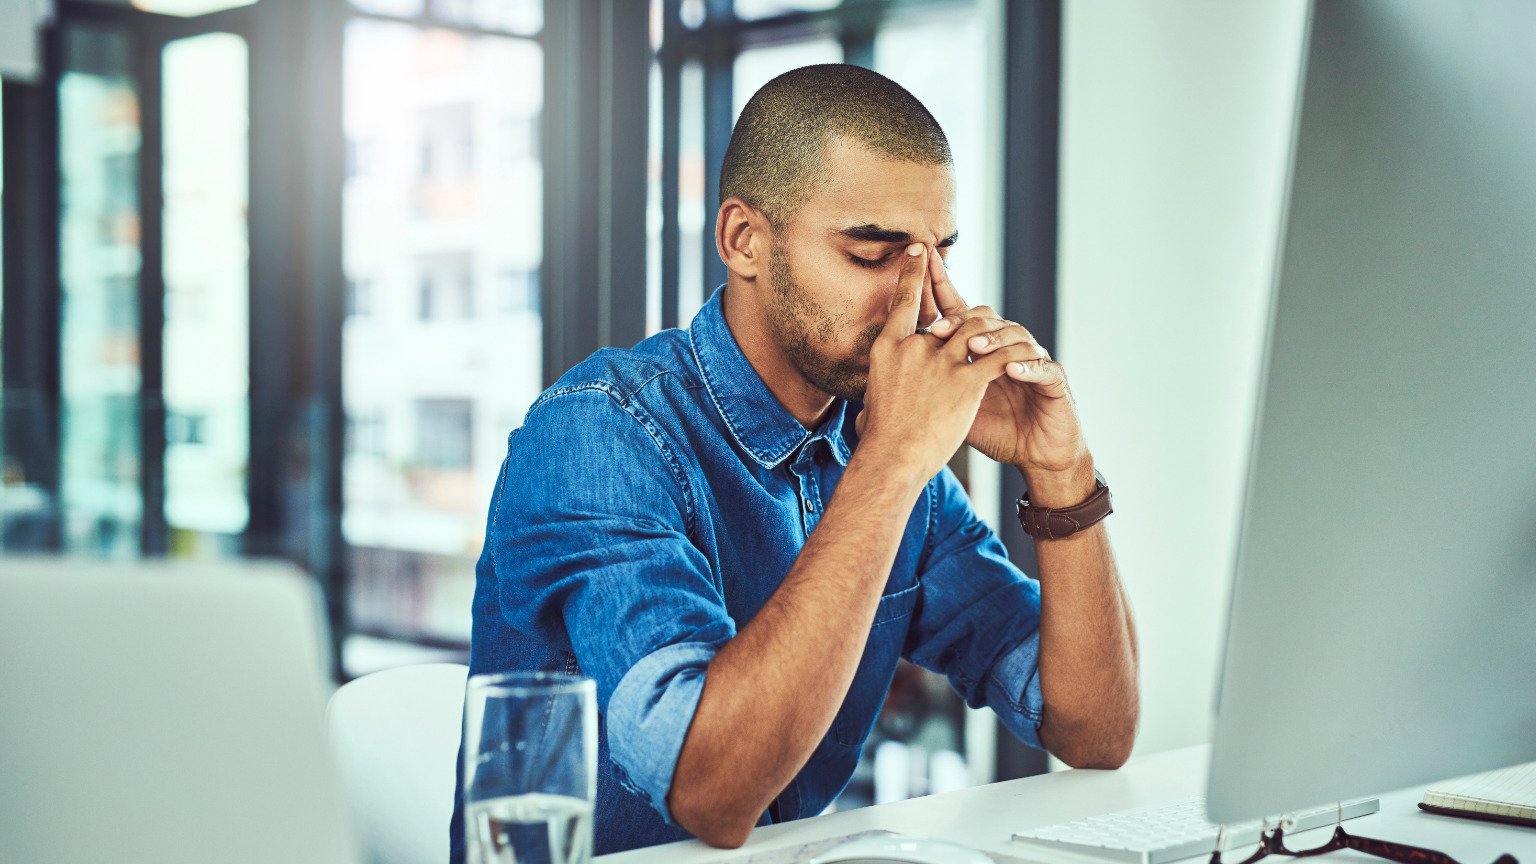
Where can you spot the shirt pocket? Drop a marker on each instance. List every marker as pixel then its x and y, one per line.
pixel 876 668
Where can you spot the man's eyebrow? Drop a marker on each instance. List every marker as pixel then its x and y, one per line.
pixel 876 234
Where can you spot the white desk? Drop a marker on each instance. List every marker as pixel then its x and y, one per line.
pixel 986 817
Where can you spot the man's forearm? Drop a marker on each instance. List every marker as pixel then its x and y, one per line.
pixel 772 692
pixel 1088 654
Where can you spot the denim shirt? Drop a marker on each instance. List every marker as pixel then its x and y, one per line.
pixel 651 503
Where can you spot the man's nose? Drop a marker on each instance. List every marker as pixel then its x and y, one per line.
pixel 928 312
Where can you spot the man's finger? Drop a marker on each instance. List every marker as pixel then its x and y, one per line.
pixel 1017 363
pixel 944 293
pixel 947 326
pixel 908 299
pixel 1046 376
pixel 969 331
pixel 1003 334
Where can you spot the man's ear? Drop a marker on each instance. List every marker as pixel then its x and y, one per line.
pixel 741 238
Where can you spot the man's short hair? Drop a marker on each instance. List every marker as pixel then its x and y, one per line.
pixel 778 148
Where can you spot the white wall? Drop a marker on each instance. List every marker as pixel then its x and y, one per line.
pixel 1176 123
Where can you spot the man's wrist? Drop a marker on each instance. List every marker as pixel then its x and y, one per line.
pixel 891 475
pixel 1062 488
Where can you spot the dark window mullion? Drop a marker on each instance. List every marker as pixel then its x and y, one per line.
pixel 859 48
pixel 1033 99
pixel 152 527
pixel 720 51
pixel 859 27
pixel 33 295
pixel 326 150
pixel 275 305
pixel 671 62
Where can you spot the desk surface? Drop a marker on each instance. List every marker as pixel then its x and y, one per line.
pixel 985 817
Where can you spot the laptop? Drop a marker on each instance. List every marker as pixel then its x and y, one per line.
pixel 153 713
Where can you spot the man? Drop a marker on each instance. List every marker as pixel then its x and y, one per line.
pixel 738 529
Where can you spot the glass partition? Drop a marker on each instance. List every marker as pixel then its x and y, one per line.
pixel 442 345
pixel 99 274
pixel 206 265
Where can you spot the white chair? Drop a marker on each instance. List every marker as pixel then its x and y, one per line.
pixel 396 735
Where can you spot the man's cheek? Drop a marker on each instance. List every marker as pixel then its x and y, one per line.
pixel 883 287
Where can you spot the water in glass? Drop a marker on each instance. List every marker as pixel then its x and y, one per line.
pixel 530 829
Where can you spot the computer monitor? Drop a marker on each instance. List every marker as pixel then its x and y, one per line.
pixel 1382 630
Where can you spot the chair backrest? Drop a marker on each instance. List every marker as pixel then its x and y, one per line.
pixel 183 698
pixel 396 734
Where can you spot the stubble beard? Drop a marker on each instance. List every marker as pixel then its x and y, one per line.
pixel 800 324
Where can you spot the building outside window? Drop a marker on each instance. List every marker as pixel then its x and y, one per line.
pixel 442 353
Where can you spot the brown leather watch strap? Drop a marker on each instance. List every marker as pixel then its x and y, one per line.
pixel 1045 523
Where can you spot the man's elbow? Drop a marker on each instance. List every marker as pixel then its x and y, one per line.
pixel 716 825
pixel 1092 745
pixel 1106 756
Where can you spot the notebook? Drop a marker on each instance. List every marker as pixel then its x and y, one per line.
pixel 1506 795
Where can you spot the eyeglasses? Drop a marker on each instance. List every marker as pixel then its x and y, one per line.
pixel 1273 843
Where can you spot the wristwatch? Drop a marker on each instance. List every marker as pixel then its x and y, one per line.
pixel 1045 523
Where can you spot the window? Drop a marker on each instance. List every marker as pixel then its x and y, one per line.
pixel 447 139
pixel 359 296
pixel 442 349
pixel 388 280
pixel 520 138
pixel 519 292
pixel 206 386
pixel 447 285
pixel 100 256
pixel 444 434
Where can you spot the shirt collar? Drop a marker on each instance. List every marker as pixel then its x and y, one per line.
pixel 757 421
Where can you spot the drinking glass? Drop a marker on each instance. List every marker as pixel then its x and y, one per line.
pixel 530 768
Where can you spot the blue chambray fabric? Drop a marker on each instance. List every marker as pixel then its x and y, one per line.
pixel 651 503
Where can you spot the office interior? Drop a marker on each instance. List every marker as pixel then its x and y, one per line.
pixel 280 276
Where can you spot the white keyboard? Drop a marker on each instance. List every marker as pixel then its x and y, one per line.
pixel 1154 835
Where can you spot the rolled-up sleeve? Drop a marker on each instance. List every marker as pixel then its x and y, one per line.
pixel 590 544
pixel 979 617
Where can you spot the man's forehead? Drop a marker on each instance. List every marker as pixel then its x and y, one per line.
pixel 866 196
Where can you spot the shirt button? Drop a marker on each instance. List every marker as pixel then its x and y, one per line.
pixel 809 507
